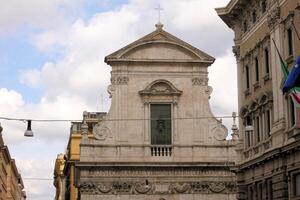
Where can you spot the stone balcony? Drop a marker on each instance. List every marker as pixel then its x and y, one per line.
pixel 157 153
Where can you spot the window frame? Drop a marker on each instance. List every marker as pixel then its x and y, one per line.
pixel 171 121
pixel 264 6
pixel 247 74
pixel 292 184
pixel 256 62
pixel 245 26
pixel 291 112
pixel 254 16
pixel 290 40
pixel 295 176
pixel 267 60
pixel 257 129
pixel 267 123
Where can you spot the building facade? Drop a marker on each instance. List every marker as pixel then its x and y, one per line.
pixel 11 183
pixel 269 156
pixel 64 168
pixel 159 140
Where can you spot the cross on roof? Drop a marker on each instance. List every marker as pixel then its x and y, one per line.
pixel 159 9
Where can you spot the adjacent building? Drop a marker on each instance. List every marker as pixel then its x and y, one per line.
pixel 11 183
pixel 64 169
pixel 269 157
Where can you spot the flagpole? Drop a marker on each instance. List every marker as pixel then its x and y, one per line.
pixel 281 59
pixel 284 68
pixel 296 30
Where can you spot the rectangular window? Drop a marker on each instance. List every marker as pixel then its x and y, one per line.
pixel 259 191
pixel 267 62
pixel 250 193
pixel 297 184
pixel 161 124
pixel 268 123
pixel 257 129
pixel 248 138
pixel 269 189
pixel 248 122
pixel 256 69
pixel 290 41
pixel 245 26
pixel 291 112
pixel 247 77
pixel 254 17
pixel 264 6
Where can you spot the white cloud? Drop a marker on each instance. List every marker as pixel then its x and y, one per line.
pixel 63 107
pixel 30 78
pixel 37 13
pixel 222 77
pixel 10 100
pixel 33 171
pixel 35 156
pixel 82 70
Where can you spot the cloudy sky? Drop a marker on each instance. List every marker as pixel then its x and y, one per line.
pixel 52 66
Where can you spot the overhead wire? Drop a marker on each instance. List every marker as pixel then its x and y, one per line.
pixel 123 119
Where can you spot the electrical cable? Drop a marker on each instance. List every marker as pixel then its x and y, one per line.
pixel 101 119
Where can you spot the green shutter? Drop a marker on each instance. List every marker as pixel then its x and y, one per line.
pixel 161 124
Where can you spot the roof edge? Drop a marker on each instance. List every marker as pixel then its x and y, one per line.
pixel 147 39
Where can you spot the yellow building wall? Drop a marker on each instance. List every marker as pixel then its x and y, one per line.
pixel 73 189
pixel 75 147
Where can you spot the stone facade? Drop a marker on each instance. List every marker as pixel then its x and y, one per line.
pixel 11 183
pixel 64 168
pixel 136 153
pixel 269 123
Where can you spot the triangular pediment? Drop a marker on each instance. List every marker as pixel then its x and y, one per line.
pixel 159 46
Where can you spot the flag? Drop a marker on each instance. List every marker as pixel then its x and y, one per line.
pixel 293 78
pixel 293 91
pixel 295 95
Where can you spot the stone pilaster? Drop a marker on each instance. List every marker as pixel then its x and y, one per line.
pixel 280 186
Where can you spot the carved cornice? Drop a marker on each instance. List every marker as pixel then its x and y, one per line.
pixel 273 17
pixel 154 188
pixel 132 171
pixel 236 51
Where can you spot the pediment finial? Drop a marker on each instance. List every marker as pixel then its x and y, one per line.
pixel 159 25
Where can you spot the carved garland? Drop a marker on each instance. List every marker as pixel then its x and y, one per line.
pixel 136 188
pixel 200 81
pixel 120 80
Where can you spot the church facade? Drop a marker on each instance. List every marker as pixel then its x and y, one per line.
pixel 159 140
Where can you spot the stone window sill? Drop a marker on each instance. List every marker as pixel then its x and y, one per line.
pixel 267 143
pixel 293 132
